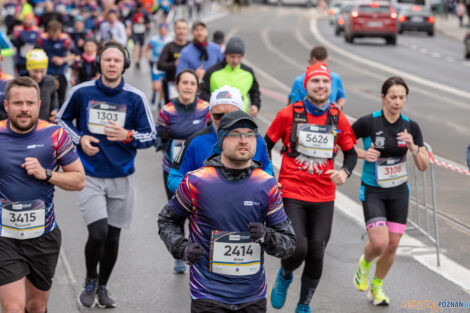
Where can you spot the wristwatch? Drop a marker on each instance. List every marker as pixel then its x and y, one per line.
pixel 48 174
pixel 130 137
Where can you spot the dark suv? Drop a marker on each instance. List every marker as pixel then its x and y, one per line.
pixel 371 19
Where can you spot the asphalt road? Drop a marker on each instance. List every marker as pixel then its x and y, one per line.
pixel 278 41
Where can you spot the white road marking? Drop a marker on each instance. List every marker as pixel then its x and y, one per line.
pixel 436 55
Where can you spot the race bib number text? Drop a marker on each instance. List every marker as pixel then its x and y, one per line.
pixel 23 220
pixel 101 113
pixel 234 254
pixel 316 141
pixel 391 172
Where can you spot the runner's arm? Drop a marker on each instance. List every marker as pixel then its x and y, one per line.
pixel 71 179
pixel 163 63
pixel 254 93
pixel 171 219
pixel 350 160
pixel 169 230
pixel 205 89
pixel 269 145
pixel 68 112
pixel 145 132
pixel 280 240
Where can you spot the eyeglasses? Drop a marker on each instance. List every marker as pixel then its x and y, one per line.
pixel 217 116
pixel 239 135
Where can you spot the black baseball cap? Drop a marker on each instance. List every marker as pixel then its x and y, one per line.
pixel 232 118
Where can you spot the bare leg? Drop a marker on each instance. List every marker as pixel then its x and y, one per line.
pixel 385 262
pixel 13 297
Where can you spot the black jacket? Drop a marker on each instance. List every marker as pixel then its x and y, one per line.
pixel 279 240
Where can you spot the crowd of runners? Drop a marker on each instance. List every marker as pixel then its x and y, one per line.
pixel 70 120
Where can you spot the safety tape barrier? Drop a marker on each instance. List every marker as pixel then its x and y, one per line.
pixel 436 161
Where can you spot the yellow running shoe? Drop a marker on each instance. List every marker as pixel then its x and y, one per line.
pixel 361 279
pixel 377 295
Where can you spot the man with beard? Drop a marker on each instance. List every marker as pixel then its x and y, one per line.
pixel 32 152
pixel 310 131
pixel 113 120
pixel 200 54
pixel 229 202
pixel 169 58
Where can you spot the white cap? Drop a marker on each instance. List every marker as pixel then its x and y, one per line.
pixel 227 95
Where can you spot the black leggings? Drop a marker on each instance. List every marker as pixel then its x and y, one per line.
pixel 312 226
pixel 102 247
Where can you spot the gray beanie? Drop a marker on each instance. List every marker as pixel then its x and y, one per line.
pixel 235 46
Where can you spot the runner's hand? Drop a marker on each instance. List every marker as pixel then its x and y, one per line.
pixel 114 132
pixel 88 148
pixel 337 177
pixel 34 168
pixel 257 231
pixel 200 71
pixel 53 116
pixel 253 111
pixel 193 252
pixel 372 154
pixel 408 139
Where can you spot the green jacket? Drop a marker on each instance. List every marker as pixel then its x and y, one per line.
pixel 241 77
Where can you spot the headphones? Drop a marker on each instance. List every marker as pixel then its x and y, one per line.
pixel 117 45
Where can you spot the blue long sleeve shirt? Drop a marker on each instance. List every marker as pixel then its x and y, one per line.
pixel 199 147
pixel 190 57
pixel 91 103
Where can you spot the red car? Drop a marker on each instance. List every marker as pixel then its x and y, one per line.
pixel 371 19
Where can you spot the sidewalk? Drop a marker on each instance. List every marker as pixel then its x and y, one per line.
pixel 450 26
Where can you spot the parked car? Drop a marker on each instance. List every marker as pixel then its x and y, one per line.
pixel 466 43
pixel 345 9
pixel 333 10
pixel 371 19
pixel 416 18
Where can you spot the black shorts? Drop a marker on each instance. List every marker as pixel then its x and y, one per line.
pixel 209 306
pixel 34 258
pixel 386 206
pixel 139 39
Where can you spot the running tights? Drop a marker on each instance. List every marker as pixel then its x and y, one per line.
pixel 312 225
pixel 101 248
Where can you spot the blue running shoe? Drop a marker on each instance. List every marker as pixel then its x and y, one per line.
pixel 303 308
pixel 180 267
pixel 279 291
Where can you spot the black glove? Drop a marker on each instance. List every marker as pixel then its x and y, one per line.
pixel 257 232
pixel 193 252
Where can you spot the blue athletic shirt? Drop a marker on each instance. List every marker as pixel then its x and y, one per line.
pixel 115 159
pixel 51 145
pixel 298 92
pixel 59 48
pixel 156 43
pixel 374 128
pixel 182 122
pixel 199 147
pixel 190 57
pixel 213 203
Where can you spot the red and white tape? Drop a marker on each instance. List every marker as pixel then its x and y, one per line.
pixel 436 161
